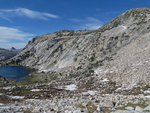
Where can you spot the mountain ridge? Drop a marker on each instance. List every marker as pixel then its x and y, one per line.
pixel 7 53
pixel 80 52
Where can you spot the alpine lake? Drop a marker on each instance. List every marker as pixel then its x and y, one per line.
pixel 14 72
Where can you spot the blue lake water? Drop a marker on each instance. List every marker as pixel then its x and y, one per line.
pixel 14 72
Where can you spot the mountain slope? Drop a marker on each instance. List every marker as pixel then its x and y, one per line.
pixel 114 51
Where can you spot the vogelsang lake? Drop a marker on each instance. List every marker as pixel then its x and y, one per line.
pixel 14 72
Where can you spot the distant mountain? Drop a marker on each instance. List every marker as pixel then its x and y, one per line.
pixel 13 49
pixel 7 53
pixel 119 51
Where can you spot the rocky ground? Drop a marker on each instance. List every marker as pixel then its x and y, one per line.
pixel 71 96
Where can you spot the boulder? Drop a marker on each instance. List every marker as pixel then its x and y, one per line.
pixel 138 109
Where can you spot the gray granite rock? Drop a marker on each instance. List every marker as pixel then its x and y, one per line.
pixel 123 111
pixel 147 108
pixel 107 103
pixel 138 109
pixel 100 108
pixel 77 111
pixel 129 108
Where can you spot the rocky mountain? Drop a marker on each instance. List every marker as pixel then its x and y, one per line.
pixel 101 71
pixel 118 51
pixel 6 54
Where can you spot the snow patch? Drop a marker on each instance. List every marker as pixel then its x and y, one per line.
pixel 148 96
pixel 16 97
pixel 118 89
pixel 8 87
pixel 100 71
pixel 97 71
pixel 124 27
pixel 111 72
pixel 146 92
pixel 1 104
pixel 71 87
pixel 105 80
pixel 35 90
pixel 43 70
pixel 89 92
pixel 146 61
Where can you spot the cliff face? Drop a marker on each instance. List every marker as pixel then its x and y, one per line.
pixel 118 51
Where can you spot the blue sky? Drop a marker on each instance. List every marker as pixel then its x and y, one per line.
pixel 21 20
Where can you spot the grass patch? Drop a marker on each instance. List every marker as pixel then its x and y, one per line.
pixel 91 107
pixel 112 84
pixel 21 91
pixel 5 99
pixel 30 79
pixel 87 84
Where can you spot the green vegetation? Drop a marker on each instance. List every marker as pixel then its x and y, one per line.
pixel 148 27
pixel 5 99
pixel 31 79
pixel 91 107
pixel 75 59
pixel 112 84
pixel 22 91
pixel 87 84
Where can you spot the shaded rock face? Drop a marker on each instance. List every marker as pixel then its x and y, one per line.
pixel 119 50
pixel 6 54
